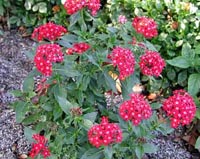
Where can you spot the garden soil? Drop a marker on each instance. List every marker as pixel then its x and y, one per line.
pixel 14 67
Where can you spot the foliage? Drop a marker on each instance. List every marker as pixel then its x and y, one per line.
pixel 72 100
pixel 30 13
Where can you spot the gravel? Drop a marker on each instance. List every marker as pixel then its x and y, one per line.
pixel 14 66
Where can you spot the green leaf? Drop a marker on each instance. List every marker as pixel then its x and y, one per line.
pixel 74 18
pixel 1 10
pixel 165 128
pixel 171 74
pixel 42 7
pixel 139 151
pixel 150 148
pixel 150 46
pixel 156 105
pixel 197 115
pixel 182 76
pixel 70 38
pixel 179 43
pixel 83 24
pixel 16 93
pixel 13 19
pixel 28 132
pixel 194 84
pixel 197 144
pixel 108 152
pixel 110 82
pixel 187 51
pixel 92 60
pixel 20 109
pixel 65 104
pixel 30 54
pixel 93 153
pixel 31 119
pixel 197 49
pixel 64 43
pixel 87 124
pixel 90 116
pixel 59 90
pixel 128 84
pixel 112 29
pixel 28 84
pixel 180 61
pixel 28 4
pixel 35 8
pixel 57 112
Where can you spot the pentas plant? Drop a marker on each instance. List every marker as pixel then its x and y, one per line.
pixel 124 60
pixel 104 133
pixel 145 26
pixel 78 48
pixel 136 109
pixel 48 31
pixel 151 63
pixel 73 6
pixel 46 55
pixel 180 108
pixel 77 67
pixel 40 146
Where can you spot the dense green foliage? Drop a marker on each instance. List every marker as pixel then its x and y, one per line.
pixel 82 80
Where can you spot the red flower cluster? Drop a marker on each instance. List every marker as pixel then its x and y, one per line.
pixel 151 63
pixel 39 147
pixel 72 6
pixel 180 108
pixel 48 31
pixel 145 26
pixel 78 48
pixel 104 133
pixel 124 59
pixel 46 54
pixel 136 109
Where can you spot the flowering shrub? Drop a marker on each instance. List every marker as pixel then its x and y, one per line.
pixel 72 6
pixel 136 109
pixel 78 48
pixel 104 133
pixel 145 26
pixel 39 147
pixel 48 31
pixel 151 64
pixel 46 54
pixel 78 66
pixel 180 108
pixel 124 60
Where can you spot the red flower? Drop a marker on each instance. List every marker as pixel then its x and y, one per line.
pixel 104 133
pixel 145 26
pixel 80 47
pixel 180 108
pixel 72 6
pixel 48 31
pixel 124 59
pixel 39 147
pixel 151 63
pixel 94 6
pixel 136 109
pixel 46 54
